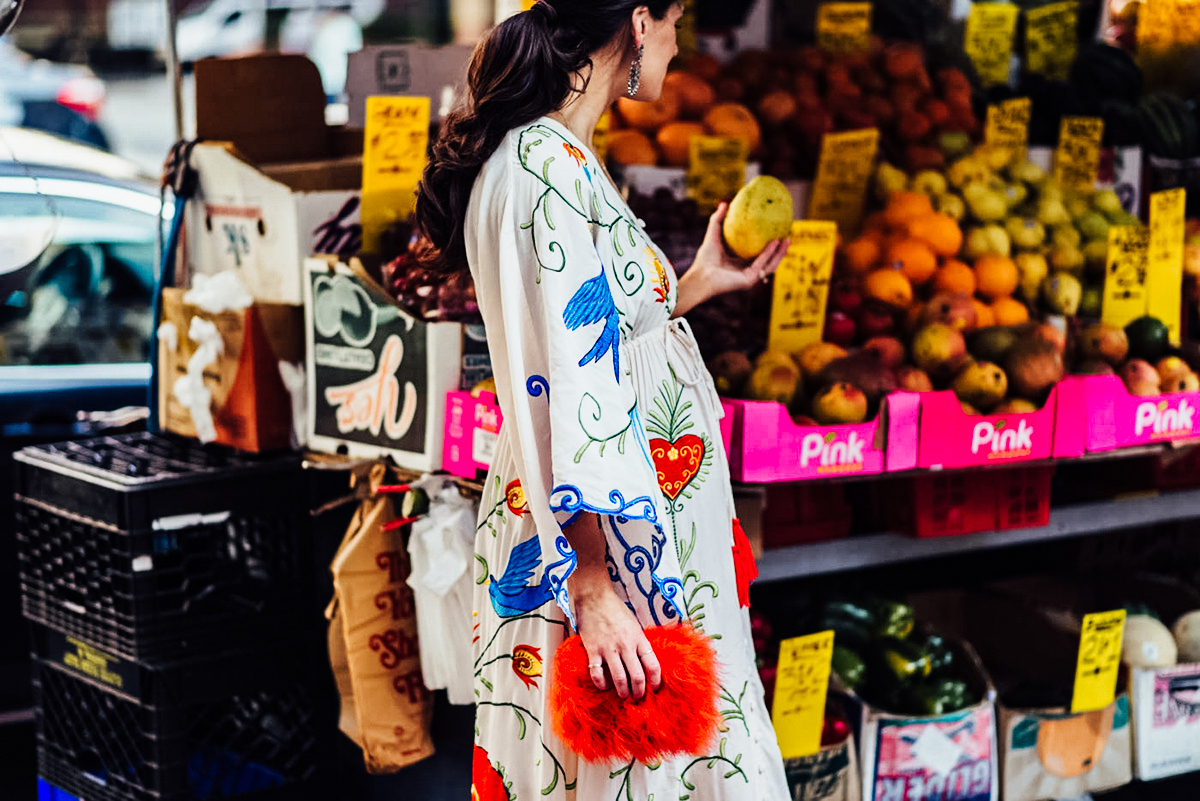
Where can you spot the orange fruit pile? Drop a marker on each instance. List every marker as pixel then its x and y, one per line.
pixel 908 251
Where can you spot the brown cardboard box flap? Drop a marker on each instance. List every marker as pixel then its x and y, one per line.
pixel 271 106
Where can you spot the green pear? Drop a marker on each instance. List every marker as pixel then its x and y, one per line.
pixel 888 181
pixel 929 183
pixel 1093 226
pixel 1062 293
pixel 986 205
pixel 1052 211
pixel 951 205
pixel 759 213
pixel 1025 233
pixel 1028 172
pixel 1032 269
pixel 1092 301
pixel 1067 259
pixel 1095 257
pixel 1067 236
pixel 988 240
pixel 1106 202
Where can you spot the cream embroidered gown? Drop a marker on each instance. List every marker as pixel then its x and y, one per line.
pixel 608 409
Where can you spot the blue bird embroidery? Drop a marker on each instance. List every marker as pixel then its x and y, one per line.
pixel 512 594
pixel 593 303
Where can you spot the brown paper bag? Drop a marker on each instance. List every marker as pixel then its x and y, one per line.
pixel 251 408
pixel 386 708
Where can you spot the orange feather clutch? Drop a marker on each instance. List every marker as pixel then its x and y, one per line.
pixel 680 718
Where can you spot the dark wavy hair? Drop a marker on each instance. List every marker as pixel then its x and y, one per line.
pixel 522 70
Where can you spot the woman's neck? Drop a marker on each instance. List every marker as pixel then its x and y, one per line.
pixel 583 109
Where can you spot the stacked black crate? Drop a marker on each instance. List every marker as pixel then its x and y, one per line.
pixel 175 648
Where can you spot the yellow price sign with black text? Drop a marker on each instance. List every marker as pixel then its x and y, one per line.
pixel 802 286
pixel 843 172
pixel 1077 159
pixel 1051 39
pixel 1163 24
pixel 988 40
pixel 1164 283
pixel 1008 125
pixel 1099 661
pixel 1126 275
pixel 716 169
pixel 844 27
pixel 801 685
pixel 395 150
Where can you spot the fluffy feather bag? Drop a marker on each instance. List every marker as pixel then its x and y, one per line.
pixel 680 718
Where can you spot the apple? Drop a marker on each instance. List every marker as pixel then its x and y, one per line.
pixel 839 328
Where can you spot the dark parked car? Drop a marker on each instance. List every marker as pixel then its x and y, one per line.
pixel 65 99
pixel 78 231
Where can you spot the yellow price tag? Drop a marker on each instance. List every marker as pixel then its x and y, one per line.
pixel 1164 285
pixel 527 4
pixel 1126 275
pixel 988 39
pixel 716 169
pixel 801 684
pixel 1099 660
pixel 844 27
pixel 1162 24
pixel 1051 39
pixel 843 172
pixel 685 38
pixel 600 136
pixel 802 286
pixel 1077 160
pixel 395 150
pixel 1008 125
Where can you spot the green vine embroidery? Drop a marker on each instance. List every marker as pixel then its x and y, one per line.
pixel 734 766
pixel 693 586
pixel 498 509
pixel 594 437
pixel 734 706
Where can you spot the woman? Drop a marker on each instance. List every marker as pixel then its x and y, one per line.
pixel 608 507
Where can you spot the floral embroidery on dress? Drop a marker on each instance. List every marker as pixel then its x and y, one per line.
pixel 527 664
pixel 514 498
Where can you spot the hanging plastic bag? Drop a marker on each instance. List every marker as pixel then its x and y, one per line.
pixel 441 548
pixel 386 707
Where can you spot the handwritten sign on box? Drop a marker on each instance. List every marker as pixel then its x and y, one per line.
pixel 1126 275
pixel 716 169
pixel 844 28
pixel 395 150
pixel 1077 159
pixel 1051 39
pixel 843 171
pixel 1099 660
pixel 802 286
pixel 801 684
pixel 1008 125
pixel 1164 284
pixel 988 40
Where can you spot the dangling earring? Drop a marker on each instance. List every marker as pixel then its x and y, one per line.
pixel 635 71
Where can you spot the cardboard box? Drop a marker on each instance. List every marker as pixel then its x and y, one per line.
pixel 1166 721
pixel 377 377
pixel 831 774
pixel 250 409
pixel 1112 418
pixel 418 70
pixel 276 183
pixel 945 756
pixel 1029 630
pixel 763 444
pixel 472 429
pixel 951 438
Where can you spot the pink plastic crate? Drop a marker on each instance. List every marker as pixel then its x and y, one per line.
pixel 951 438
pixel 764 445
pixel 1112 418
pixel 472 426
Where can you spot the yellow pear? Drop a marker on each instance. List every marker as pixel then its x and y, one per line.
pixel 760 213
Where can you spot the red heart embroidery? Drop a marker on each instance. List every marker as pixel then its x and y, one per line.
pixel 677 462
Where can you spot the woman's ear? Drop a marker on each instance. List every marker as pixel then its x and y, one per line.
pixel 641 24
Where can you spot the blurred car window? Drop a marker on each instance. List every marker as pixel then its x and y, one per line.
pixel 87 298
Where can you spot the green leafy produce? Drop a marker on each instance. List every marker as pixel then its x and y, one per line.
pixel 849 666
pixel 1148 339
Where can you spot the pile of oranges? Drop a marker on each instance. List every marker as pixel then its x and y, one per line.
pixel 908 253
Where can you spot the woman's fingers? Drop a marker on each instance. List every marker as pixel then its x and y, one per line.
pixel 716 220
pixel 637 676
pixel 650 663
pixel 612 658
pixel 596 671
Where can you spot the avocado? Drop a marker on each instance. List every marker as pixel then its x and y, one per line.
pixel 1148 339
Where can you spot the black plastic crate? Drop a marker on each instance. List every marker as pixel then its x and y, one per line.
pixel 154 547
pixel 113 730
